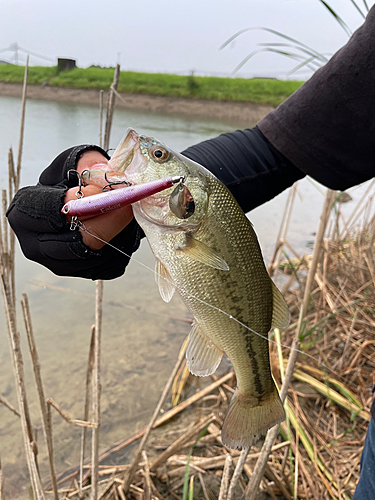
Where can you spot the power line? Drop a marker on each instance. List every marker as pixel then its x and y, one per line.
pixel 15 48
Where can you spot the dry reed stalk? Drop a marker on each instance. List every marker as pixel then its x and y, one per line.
pixel 1 483
pixel 130 473
pixel 283 230
pixel 179 443
pixel 12 189
pixel 101 93
pixel 8 292
pixel 167 416
pixel 16 355
pixel 98 308
pixel 73 421
pixel 22 126
pixel 90 364
pixel 179 382
pixel 237 473
pixel 341 271
pixel 147 480
pixel 205 493
pixel 96 387
pixel 253 485
pixel 11 174
pixel 354 216
pixel 217 462
pixel 225 478
pixel 39 383
pixel 120 492
pixel 10 407
pixel 271 474
pixel 110 107
pixel 295 492
pixel 18 370
pixel 5 250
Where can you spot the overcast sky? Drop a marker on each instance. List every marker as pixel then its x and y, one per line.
pixel 171 36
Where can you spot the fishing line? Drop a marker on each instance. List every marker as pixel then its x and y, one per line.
pixel 82 226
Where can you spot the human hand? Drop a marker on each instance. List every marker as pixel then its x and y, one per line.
pixel 105 226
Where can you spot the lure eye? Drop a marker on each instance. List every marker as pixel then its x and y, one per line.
pixel 159 154
pixel 181 202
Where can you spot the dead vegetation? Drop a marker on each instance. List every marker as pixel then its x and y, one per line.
pixel 317 452
pixel 323 362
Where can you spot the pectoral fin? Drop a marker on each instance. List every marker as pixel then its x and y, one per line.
pixel 203 253
pixel 280 314
pixel 202 355
pixel 164 281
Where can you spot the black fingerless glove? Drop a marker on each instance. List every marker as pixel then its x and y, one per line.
pixel 45 236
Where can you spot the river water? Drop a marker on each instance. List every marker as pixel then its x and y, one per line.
pixel 141 338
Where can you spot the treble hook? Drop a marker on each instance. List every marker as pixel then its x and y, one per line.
pixel 79 193
pixel 114 183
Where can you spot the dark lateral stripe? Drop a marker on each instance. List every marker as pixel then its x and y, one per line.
pixel 254 364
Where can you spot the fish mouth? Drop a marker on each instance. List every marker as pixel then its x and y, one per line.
pixel 127 158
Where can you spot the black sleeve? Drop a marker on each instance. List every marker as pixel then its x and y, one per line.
pixel 248 164
pixel 327 127
pixel 45 236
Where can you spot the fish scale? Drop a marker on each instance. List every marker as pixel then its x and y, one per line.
pixel 210 255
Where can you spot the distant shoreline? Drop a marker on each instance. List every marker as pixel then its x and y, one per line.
pixel 240 113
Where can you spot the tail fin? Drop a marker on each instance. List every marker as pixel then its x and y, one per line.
pixel 246 419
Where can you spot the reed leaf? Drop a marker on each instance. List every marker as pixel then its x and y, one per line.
pixel 191 488
pixel 314 56
pixel 306 441
pixel 359 9
pixel 308 52
pixel 306 333
pixel 288 434
pixel 269 30
pixel 351 404
pixel 295 44
pixel 312 453
pixel 181 377
pixel 299 66
pixel 257 51
pixel 341 387
pixel 187 470
pixel 340 21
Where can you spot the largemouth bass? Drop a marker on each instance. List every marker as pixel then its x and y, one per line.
pixel 206 250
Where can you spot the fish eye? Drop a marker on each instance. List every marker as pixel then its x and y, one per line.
pixel 159 154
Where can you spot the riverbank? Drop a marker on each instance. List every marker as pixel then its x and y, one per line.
pixel 246 113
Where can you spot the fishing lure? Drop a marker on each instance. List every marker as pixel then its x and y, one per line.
pixel 111 200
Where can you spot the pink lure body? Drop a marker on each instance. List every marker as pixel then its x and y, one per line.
pixel 111 200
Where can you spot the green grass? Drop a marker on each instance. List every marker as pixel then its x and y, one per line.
pixel 256 90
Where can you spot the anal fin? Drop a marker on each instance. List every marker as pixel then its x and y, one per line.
pixel 202 355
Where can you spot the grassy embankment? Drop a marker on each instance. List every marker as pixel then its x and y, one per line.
pixel 256 90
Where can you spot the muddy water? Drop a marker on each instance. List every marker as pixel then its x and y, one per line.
pixel 141 337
